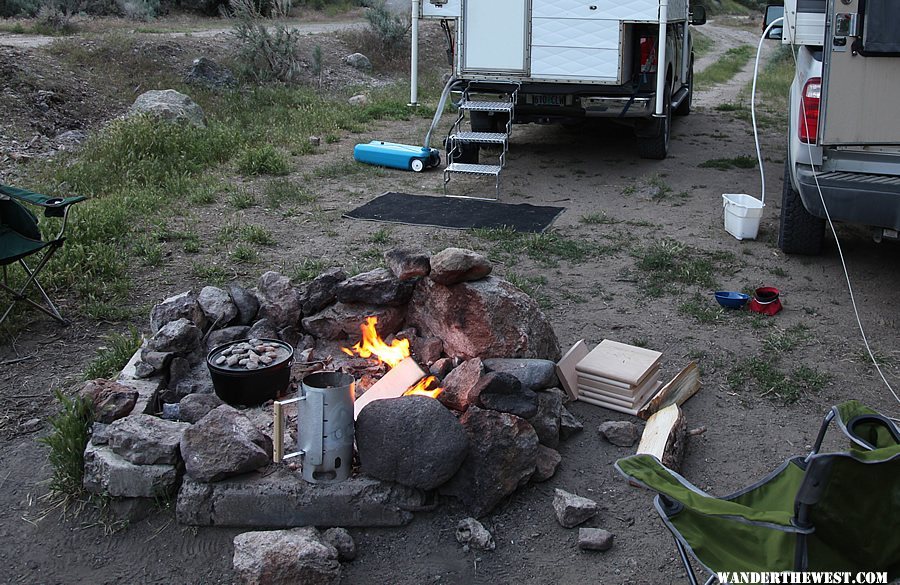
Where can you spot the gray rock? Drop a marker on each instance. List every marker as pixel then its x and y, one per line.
pixel 442 367
pixel 568 424
pixel 341 540
pixel 170 106
pixel 431 440
pixel 217 306
pixel 262 329
pixel 532 373
pixel 547 461
pixel 455 265
pixel 359 100
pixel 320 292
pixel 461 385
pixel 502 456
pixel 144 439
pixel 407 264
pixel 227 335
pixel 619 432
pixel 315 141
pixel 594 539
pixel 486 318
pixel 427 349
pixel 285 557
pixel 246 303
pixel 546 420
pixel 180 306
pixel 504 393
pixel 72 137
pixel 291 335
pixel 108 474
pixel 472 534
pixel 358 61
pixel 110 400
pixel 279 301
pixel 377 287
pixel 130 509
pixel 340 320
pixel 209 74
pixel 152 363
pixel 99 433
pixel 180 337
pixel 571 510
pixel 223 443
pixel 193 407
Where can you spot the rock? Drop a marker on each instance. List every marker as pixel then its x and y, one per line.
pixel 217 305
pixel 315 141
pixel 72 137
pixel 594 539
pixel 504 393
pixel 502 456
pixel 620 433
pixel 461 385
pixel 262 329
pixel 454 265
pixel 207 73
pixel 171 411
pixel 170 106
pixel 568 424
pixel 152 363
pixel 442 367
pixel 99 433
pixel 108 474
pixel 411 440
pixel 534 374
pixel 571 510
pixel 290 335
pixel 407 264
pixel 472 534
pixel 427 349
pixel 546 420
pixel 174 308
pixel 341 320
pixel 279 301
pixel 547 461
pixel 193 407
pixel 144 439
pixel 180 337
pixel 486 318
pixel 341 540
pixel 377 287
pixel 245 302
pixel 223 443
pixel 31 424
pixel 359 100
pixel 110 400
pixel 321 291
pixel 227 335
pixel 285 557
pixel 358 61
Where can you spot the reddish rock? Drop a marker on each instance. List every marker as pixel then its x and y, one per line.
pixel 460 385
pixel 111 400
pixel 407 264
pixel 454 265
pixel 427 349
pixel 547 461
pixel 441 368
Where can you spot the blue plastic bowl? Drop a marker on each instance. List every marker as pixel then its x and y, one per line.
pixel 731 299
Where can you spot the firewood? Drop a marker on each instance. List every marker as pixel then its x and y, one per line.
pixel 392 385
pixel 665 436
pixel 677 391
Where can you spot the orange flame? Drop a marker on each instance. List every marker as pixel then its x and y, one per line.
pixel 422 388
pixel 371 344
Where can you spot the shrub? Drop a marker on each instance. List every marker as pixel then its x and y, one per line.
pixel 262 160
pixel 71 430
pixel 139 9
pixel 113 356
pixel 264 55
pixel 10 8
pixel 391 29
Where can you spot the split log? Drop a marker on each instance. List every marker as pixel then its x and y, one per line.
pixel 394 384
pixel 665 437
pixel 677 391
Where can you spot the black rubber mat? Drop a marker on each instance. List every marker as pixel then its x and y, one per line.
pixel 456 213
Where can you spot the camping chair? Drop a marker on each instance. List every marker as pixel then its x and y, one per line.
pixel 20 237
pixel 822 512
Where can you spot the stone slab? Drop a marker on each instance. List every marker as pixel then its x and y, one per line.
pixel 106 473
pixel 148 389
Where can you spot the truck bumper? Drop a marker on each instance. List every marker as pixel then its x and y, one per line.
pixel 860 198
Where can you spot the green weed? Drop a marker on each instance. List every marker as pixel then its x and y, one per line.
pixel 667 262
pixel 784 340
pixel 244 254
pixel 724 164
pixel 701 309
pixel 766 377
pixel 262 160
pixel 242 199
pixel 726 67
pixel 113 354
pixel 258 235
pixel 307 270
pixel 598 218
pixel 70 431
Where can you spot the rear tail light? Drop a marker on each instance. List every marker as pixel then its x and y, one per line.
pixel 809 110
pixel 648 55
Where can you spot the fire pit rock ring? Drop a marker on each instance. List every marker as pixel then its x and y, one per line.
pixel 254 379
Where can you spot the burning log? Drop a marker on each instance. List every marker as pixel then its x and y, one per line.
pixel 393 385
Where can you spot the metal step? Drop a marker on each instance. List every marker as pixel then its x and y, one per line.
pixel 482 137
pixel 469 169
pixel 473 106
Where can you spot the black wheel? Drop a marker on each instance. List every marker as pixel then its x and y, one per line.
pixel 684 108
pixel 800 231
pixel 654 142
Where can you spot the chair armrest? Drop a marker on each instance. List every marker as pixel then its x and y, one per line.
pixel 53 206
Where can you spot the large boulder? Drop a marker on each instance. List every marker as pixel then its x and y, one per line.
pixel 285 557
pixel 110 400
pixel 377 287
pixel 217 305
pixel 411 440
pixel 321 291
pixel 454 265
pixel 486 318
pixel 358 61
pixel 340 320
pixel 144 439
pixel 503 450
pixel 279 301
pixel 223 443
pixel 184 305
pixel 504 393
pixel 168 105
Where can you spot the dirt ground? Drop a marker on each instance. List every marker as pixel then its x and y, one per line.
pixel 594 169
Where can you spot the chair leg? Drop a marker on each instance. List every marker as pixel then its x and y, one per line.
pixel 19 295
pixel 692 577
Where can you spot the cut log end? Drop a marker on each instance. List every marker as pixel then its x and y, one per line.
pixel 665 437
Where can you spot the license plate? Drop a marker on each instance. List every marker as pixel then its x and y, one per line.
pixel 547 100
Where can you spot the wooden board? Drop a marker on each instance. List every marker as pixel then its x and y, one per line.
pixel 677 391
pixel 619 361
pixel 392 385
pixel 632 404
pixel 664 437
pixel 629 392
pixel 565 368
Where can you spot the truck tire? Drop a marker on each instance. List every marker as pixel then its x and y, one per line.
pixel 655 144
pixel 684 108
pixel 800 231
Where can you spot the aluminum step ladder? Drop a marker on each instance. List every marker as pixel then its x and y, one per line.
pixel 458 139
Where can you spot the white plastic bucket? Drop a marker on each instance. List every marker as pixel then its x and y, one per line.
pixel 742 215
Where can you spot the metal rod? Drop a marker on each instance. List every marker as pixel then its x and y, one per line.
pixel 661 56
pixel 414 57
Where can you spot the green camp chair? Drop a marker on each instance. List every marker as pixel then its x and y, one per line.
pixel 822 512
pixel 20 238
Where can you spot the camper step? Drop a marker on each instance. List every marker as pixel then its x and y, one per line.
pixel 470 169
pixel 482 137
pixel 486 106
